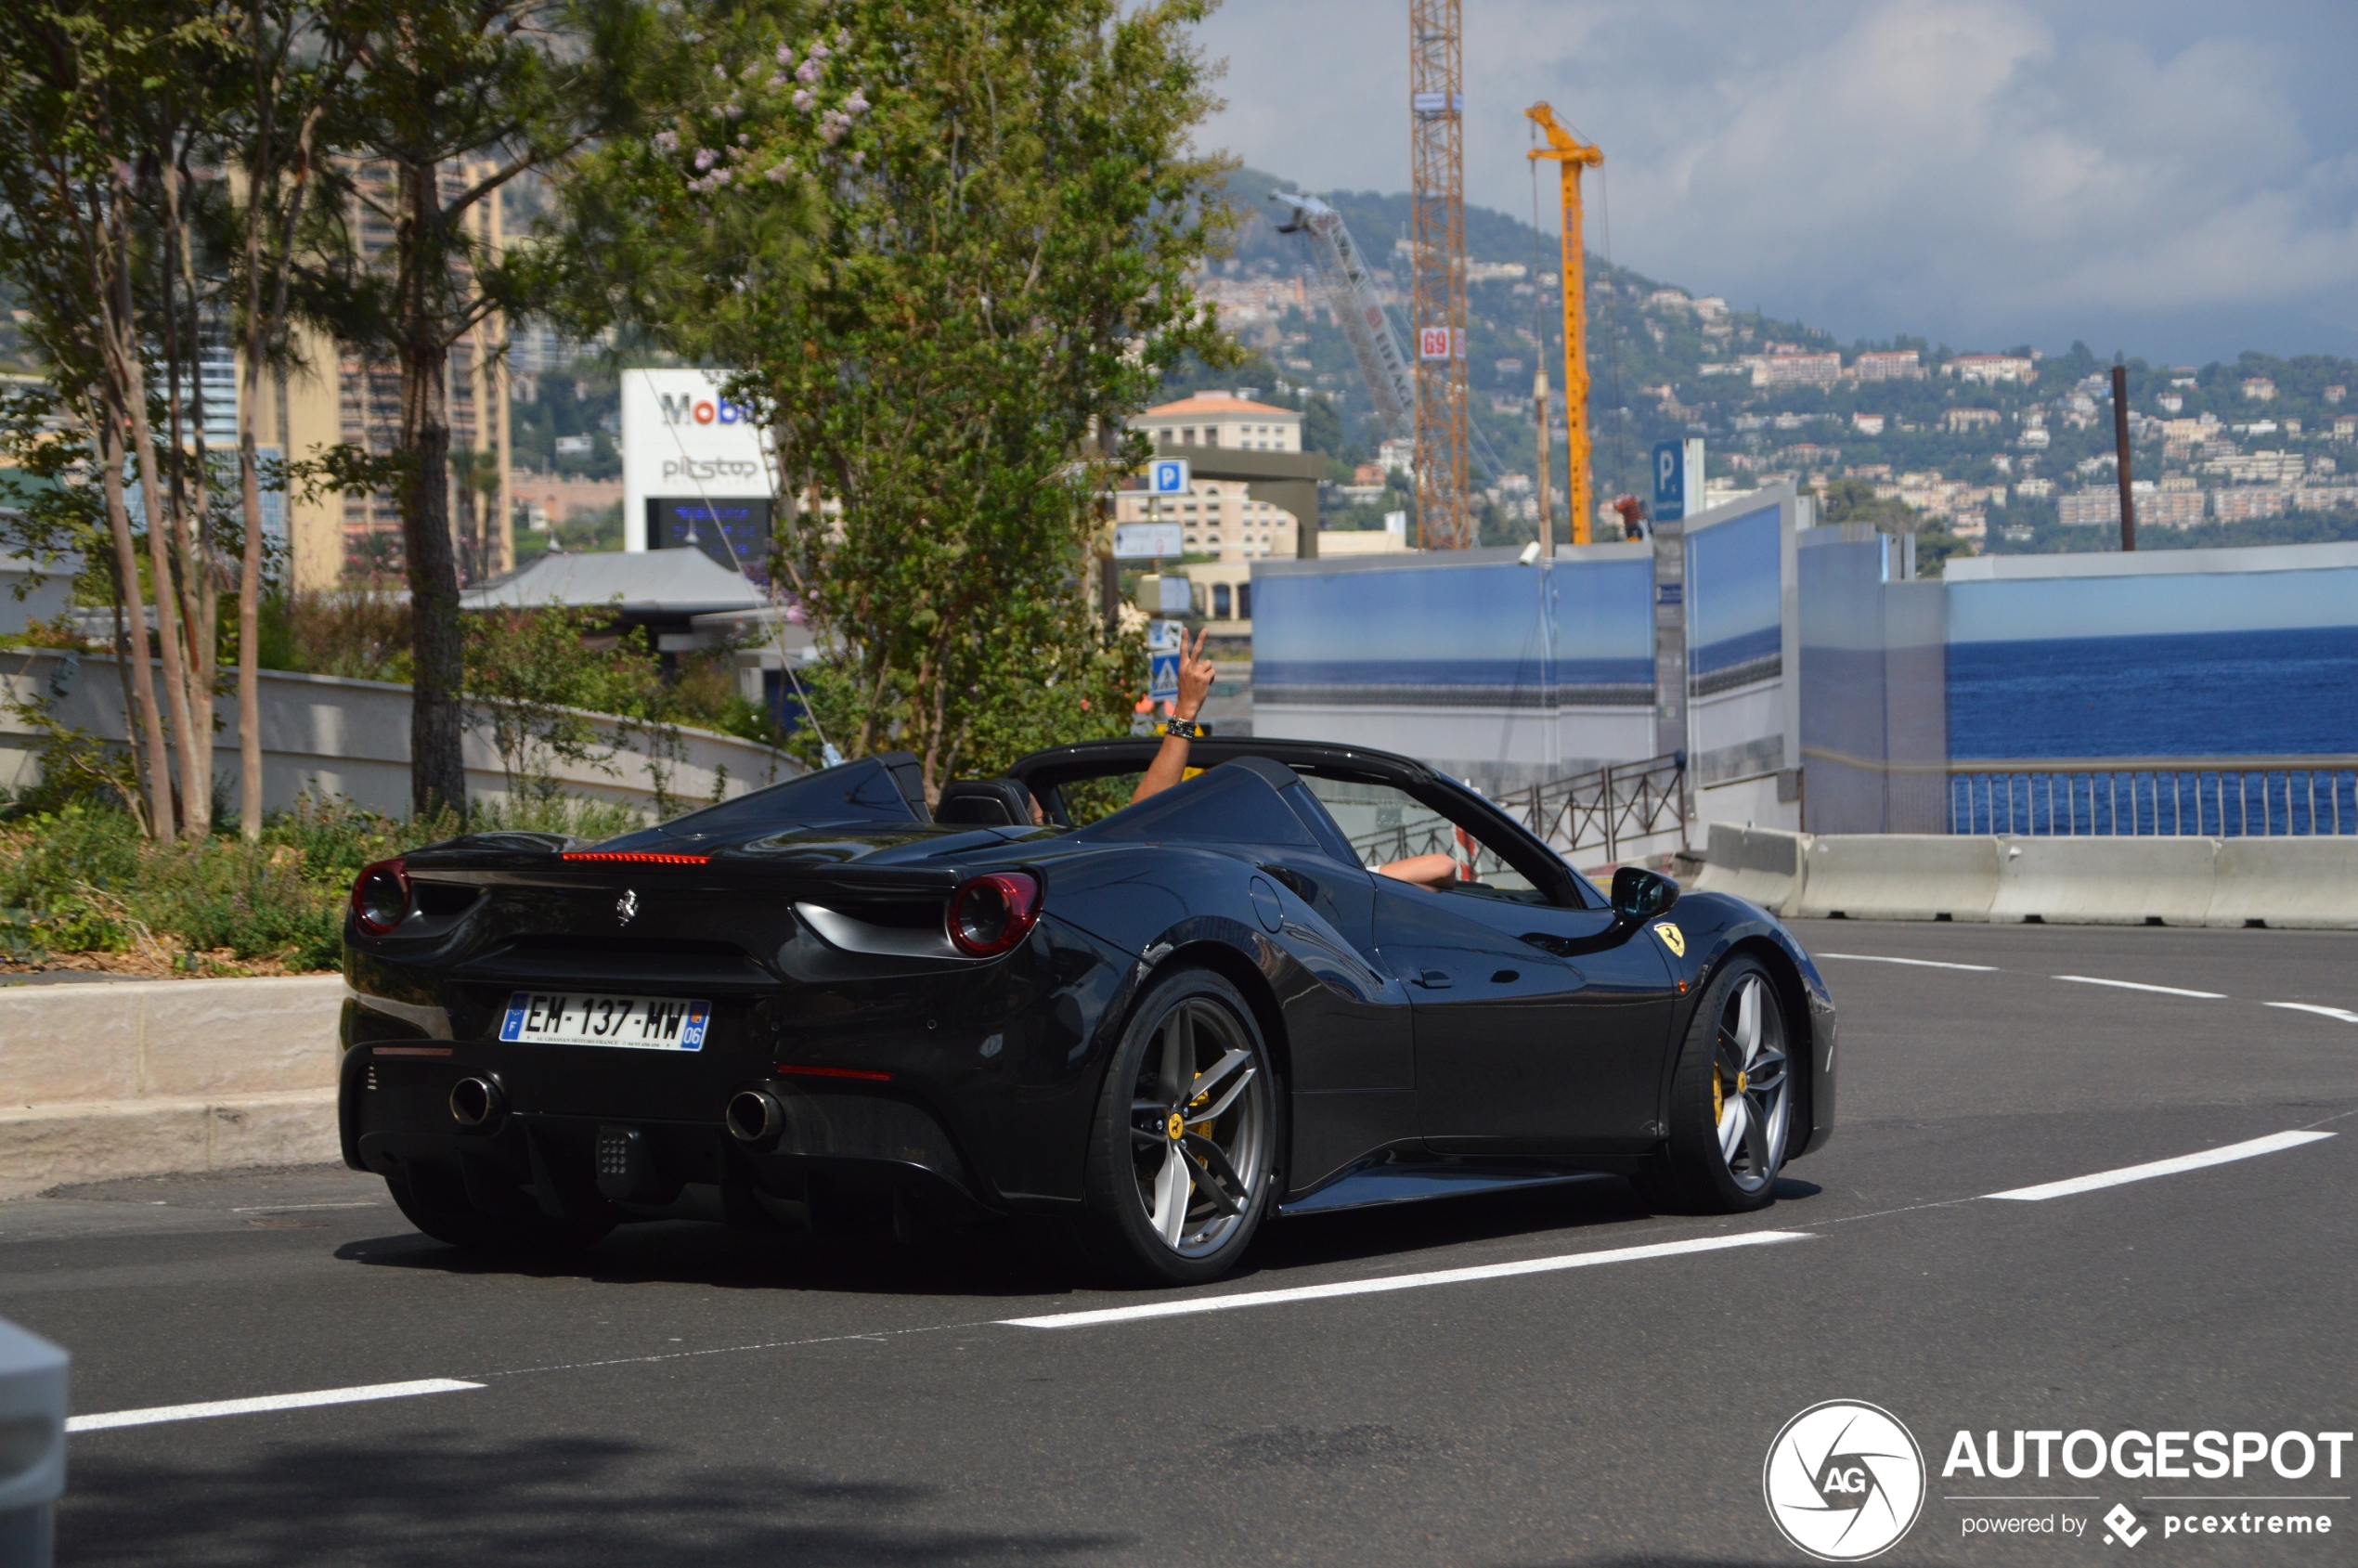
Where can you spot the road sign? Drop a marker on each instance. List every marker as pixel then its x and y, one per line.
pixel 1677 479
pixel 1166 477
pixel 1670 481
pixel 1162 677
pixel 1432 343
pixel 1166 637
pixel 1144 541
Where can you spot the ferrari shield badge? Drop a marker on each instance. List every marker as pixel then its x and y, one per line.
pixel 1672 938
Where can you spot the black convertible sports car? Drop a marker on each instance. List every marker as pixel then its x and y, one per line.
pixel 823 1006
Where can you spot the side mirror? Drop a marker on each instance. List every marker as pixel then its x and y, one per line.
pixel 1640 895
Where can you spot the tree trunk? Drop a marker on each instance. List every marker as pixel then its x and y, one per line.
pixel 196 790
pixel 134 653
pixel 437 766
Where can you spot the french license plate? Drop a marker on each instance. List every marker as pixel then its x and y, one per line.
pixel 647 1023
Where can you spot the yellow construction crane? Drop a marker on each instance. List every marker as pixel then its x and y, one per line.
pixel 1570 155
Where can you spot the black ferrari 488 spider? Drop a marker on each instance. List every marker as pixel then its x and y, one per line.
pixel 823 1006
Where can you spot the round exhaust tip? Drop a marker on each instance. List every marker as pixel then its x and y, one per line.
pixel 474 1101
pixel 754 1117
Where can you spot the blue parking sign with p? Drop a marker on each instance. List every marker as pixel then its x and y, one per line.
pixel 1162 677
pixel 1166 477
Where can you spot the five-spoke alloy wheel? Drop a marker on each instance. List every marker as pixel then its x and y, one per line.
pixel 1731 1098
pixel 1182 1156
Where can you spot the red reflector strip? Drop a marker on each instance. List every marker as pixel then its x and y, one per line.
pixel 870 1075
pixel 411 1050
pixel 636 857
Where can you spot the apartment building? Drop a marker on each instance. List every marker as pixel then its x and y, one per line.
pixel 1991 368
pixel 1218 516
pixel 1897 365
pixel 325 397
pixel 1795 369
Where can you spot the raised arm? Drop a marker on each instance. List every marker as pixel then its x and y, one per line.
pixel 1195 683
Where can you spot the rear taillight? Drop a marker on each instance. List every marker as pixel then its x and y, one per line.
pixel 381 896
pixel 991 913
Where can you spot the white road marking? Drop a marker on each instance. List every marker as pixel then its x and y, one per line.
pixel 159 1413
pixel 302 1208
pixel 1399 1281
pixel 2342 1013
pixel 1918 963
pixel 2140 985
pixel 2273 1143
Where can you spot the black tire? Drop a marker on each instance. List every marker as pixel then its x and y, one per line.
pixel 437 1205
pixel 1732 1101
pixel 1213 1184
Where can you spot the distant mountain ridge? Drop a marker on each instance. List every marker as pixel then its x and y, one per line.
pixel 1660 370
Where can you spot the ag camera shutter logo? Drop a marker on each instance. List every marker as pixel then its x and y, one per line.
pixel 1843 1481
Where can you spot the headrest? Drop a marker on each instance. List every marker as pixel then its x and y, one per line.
pixel 984 803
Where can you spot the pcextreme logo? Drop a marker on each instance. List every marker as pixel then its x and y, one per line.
pixel 1843 1481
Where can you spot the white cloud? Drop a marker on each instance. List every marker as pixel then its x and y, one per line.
pixel 1987 170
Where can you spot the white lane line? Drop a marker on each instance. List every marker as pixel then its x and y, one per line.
pixel 1917 963
pixel 2139 985
pixel 1399 1281
pixel 2272 1143
pixel 302 1208
pixel 2342 1013
pixel 155 1413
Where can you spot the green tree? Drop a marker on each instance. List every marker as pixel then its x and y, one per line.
pixel 945 250
pixel 105 110
pixel 292 73
pixel 455 101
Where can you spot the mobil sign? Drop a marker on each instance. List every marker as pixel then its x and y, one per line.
pixel 684 444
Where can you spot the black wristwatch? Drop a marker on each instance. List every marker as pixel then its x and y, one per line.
pixel 1186 730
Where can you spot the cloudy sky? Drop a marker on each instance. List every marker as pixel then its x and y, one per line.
pixel 2176 179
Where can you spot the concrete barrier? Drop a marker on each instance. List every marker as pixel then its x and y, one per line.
pixel 151 1077
pixel 2295 882
pixel 2301 882
pixel 1900 876
pixel 1760 863
pixel 2105 881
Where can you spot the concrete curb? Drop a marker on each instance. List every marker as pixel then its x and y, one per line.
pixel 140 1078
pixel 42 1146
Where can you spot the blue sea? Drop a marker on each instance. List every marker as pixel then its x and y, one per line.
pixel 2238 693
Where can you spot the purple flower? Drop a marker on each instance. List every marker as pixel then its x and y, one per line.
pixel 705 158
pixel 785 54
pixel 843 38
pixel 819 51
pixel 666 141
pixel 779 172
pixel 857 103
pixel 809 70
pixel 803 100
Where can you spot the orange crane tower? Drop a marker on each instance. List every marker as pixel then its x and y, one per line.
pixel 1570 155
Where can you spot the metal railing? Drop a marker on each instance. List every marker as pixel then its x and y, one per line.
pixel 2210 796
pixel 1610 807
pixel 1605 810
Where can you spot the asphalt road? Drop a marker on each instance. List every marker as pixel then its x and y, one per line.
pixel 688 1396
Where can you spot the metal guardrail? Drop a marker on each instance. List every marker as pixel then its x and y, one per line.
pixel 1602 809
pixel 1608 808
pixel 2209 797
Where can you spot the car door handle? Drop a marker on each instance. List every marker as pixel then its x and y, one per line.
pixel 1433 979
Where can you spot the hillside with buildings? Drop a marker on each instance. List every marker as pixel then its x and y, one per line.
pixel 2007 451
